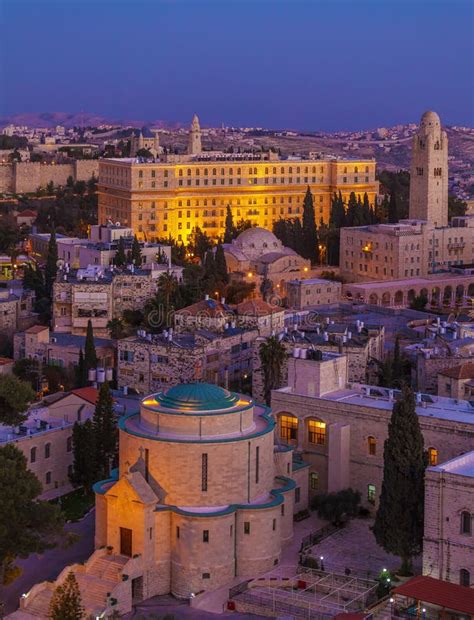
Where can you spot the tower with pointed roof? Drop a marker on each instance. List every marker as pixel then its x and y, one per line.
pixel 429 172
pixel 194 144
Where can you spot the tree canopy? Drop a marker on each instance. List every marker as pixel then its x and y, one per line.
pixel 66 602
pixel 15 397
pixel 28 525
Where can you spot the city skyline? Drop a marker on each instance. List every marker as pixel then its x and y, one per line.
pixel 234 65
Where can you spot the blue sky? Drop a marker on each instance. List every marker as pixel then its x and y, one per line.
pixel 303 64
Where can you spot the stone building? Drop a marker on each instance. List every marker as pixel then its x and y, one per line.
pixel 201 497
pixel 22 177
pixel 440 356
pixel 150 362
pixel 145 139
pixel 448 543
pixel 99 295
pixel 340 427
pixel 16 309
pixel 312 292
pixel 457 381
pixel 257 254
pixel 362 344
pixel 218 316
pixel 59 349
pixel 45 437
pixel 175 194
pixel 424 243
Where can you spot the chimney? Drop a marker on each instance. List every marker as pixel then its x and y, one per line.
pixel 222 300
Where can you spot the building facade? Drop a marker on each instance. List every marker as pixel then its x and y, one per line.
pixel 312 292
pixel 424 243
pixel 340 428
pixel 448 543
pixel 174 195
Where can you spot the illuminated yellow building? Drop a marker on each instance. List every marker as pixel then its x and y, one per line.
pixel 176 193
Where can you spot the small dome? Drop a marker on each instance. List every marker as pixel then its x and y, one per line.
pixel 197 397
pixel 257 237
pixel 430 119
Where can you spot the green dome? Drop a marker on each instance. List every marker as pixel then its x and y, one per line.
pixel 197 397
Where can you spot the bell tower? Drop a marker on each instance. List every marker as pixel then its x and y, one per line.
pixel 194 144
pixel 429 172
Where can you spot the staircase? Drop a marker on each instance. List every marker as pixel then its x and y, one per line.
pixel 97 579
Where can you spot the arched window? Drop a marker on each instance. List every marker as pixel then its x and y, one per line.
pixel 288 427
pixel 356 169
pixel 466 522
pixel 432 456
pixel 317 432
pixel 464 577
pixel 33 455
pixel 47 451
pixel 371 445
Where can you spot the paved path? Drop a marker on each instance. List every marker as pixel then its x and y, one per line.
pixel 47 566
pixel 159 606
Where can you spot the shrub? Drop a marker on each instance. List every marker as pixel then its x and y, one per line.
pixel 337 507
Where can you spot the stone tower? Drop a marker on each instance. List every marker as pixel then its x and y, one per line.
pixel 429 172
pixel 194 144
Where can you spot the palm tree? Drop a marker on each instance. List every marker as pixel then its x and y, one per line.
pixel 272 355
pixel 159 308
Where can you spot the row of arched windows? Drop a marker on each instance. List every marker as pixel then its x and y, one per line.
pixel 47 450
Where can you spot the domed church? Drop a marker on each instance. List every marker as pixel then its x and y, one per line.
pixel 202 494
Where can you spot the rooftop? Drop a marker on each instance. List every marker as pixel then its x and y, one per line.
pixel 194 397
pixel 461 371
pixel 375 397
pixel 442 593
pixel 462 465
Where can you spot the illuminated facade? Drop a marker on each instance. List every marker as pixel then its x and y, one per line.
pixel 179 192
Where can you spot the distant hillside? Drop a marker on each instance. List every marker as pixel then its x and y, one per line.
pixel 79 119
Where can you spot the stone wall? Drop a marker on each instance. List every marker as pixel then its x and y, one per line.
pixel 445 549
pixel 23 177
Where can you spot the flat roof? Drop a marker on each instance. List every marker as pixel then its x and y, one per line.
pixel 462 465
pixel 314 281
pixel 376 397
pixel 428 280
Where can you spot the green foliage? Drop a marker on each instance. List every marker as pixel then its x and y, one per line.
pixel 106 432
pixel 199 243
pixel 398 526
pixel 10 234
pixel 456 207
pixel 221 265
pixel 145 153
pixel 242 225
pixel 289 232
pixel 395 370
pixel 84 455
pixel 236 292
pixel 51 268
pixel 229 233
pixel 309 238
pixel 76 504
pixel 33 280
pixel 81 371
pixel 336 507
pixel 116 329
pixel 27 370
pixel 15 396
pixel 397 185
pixel 66 602
pixel 12 142
pixel 393 215
pixel 419 303
pixel 272 356
pixel 27 524
pixel 120 258
pixel 90 355
pixel 136 254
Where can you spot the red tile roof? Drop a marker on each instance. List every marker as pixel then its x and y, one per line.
pixel 35 329
pixel 4 361
pixel 86 393
pixel 27 213
pixel 461 371
pixel 206 308
pixel 442 593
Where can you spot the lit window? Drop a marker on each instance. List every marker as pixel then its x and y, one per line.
pixel 288 427
pixel 317 432
pixel 433 455
pixel 371 493
pixel 372 446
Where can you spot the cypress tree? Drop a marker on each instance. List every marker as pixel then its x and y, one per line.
pixel 120 258
pixel 220 265
pixel 136 254
pixel 229 233
pixel 105 431
pixel 398 526
pixel 81 371
pixel 90 355
pixel 309 245
pixel 66 602
pixel 393 209
pixel 353 216
pixel 51 268
pixel 85 471
pixel 397 362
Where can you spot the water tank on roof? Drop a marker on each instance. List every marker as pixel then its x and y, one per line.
pixel 92 374
pixel 100 375
pixel 109 374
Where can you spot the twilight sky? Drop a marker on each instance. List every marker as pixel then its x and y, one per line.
pixel 303 64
